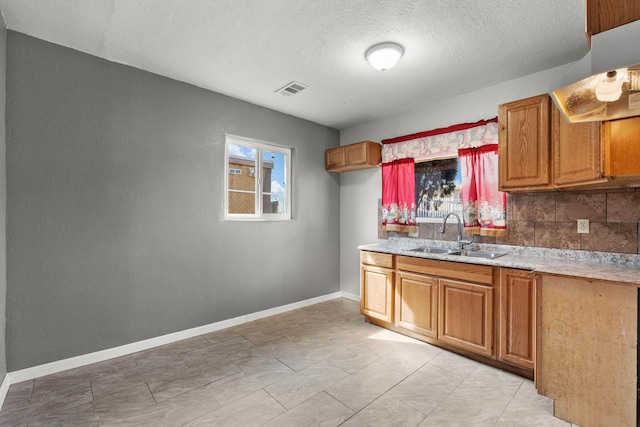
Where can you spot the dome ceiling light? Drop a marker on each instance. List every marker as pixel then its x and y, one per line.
pixel 384 55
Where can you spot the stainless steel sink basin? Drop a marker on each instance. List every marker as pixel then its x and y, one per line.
pixel 430 250
pixel 480 254
pixel 444 251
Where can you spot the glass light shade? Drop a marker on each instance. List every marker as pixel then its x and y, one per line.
pixel 609 89
pixel 384 55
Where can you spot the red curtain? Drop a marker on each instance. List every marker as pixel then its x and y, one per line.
pixel 398 192
pixel 484 207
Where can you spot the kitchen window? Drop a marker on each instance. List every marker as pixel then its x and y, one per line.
pixel 257 180
pixel 438 185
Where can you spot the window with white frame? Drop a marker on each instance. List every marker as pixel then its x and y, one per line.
pixel 438 184
pixel 257 180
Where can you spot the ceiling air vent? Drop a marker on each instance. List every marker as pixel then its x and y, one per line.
pixel 292 88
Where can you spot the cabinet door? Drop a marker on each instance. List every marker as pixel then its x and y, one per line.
pixel 417 303
pixel 466 316
pixel 621 141
pixel 376 292
pixel 603 15
pixel 576 148
pixel 355 154
pixel 524 144
pixel 517 317
pixel 334 158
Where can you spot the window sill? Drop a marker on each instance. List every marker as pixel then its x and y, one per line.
pixel 401 228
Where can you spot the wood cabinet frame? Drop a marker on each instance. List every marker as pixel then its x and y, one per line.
pixel 517 317
pixel 465 316
pixel 458 307
pixel 361 155
pixel 416 303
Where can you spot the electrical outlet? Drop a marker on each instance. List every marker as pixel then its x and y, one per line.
pixel 583 226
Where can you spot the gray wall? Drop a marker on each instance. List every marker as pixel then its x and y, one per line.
pixel 3 198
pixel 115 229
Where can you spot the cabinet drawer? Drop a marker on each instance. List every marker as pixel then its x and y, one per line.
pixel 454 270
pixel 376 258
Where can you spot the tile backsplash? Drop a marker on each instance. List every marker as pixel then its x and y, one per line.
pixel 549 220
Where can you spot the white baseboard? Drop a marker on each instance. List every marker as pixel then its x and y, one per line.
pixel 352 297
pixel 4 388
pixel 102 355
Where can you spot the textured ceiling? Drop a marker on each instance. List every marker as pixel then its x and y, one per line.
pixel 250 48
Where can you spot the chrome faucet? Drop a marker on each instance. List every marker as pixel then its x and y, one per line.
pixel 461 242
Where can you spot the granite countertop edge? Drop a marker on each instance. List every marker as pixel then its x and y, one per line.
pixel 610 267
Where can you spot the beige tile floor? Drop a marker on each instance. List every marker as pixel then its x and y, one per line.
pixel 317 366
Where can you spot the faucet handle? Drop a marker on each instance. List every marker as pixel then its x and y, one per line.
pixel 462 242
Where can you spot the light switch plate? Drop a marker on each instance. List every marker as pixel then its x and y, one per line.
pixel 583 226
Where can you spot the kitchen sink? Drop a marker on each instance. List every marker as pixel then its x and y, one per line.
pixel 445 251
pixel 479 254
pixel 431 250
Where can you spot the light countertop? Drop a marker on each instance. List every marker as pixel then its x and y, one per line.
pixel 614 267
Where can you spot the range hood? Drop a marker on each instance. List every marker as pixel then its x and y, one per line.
pixel 605 84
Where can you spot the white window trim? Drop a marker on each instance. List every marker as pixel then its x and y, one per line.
pixel 259 146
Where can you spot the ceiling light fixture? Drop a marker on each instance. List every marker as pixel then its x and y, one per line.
pixel 384 55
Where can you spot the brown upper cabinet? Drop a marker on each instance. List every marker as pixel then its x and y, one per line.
pixel 361 155
pixel 603 15
pixel 524 144
pixel 621 145
pixel 577 153
pixel 540 150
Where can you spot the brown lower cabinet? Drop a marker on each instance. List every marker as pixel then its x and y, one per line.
pixel 376 286
pixel 417 303
pixel 453 305
pixel 466 316
pixel 517 317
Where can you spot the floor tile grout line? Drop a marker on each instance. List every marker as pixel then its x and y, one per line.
pixel 509 403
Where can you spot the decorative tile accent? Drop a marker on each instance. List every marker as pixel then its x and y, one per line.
pixel 623 207
pixel 519 233
pixel 559 235
pixel 537 208
pixel 570 207
pixel 612 237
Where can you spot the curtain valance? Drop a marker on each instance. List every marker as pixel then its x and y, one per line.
pixel 440 142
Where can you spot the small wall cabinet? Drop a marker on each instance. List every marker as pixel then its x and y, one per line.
pixel 361 155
